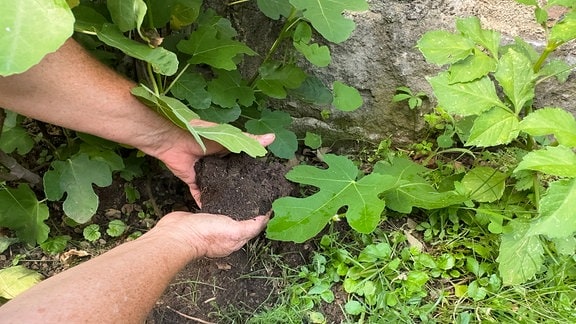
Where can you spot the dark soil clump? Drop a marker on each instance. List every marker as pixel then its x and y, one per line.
pixel 240 186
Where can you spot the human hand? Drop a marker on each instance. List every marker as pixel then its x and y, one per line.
pixel 209 235
pixel 181 152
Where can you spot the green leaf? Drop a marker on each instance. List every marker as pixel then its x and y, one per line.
pixel 346 98
pixel 548 121
pixel 313 91
pixel 471 28
pixel 558 68
pixel 192 88
pixel 220 115
pixel 441 47
pixel 354 307
pixel 88 19
pixel 565 246
pixel 23 213
pixel 92 232
pixel 273 9
pixel 494 127
pixel 208 45
pixel 484 184
pixel 162 60
pixel 229 89
pixel 276 122
pixel 521 255
pixel 184 13
pixel 471 98
pixel 312 140
pixel 56 244
pixel 276 77
pixel 233 139
pixel 116 228
pixel 326 16
pixel 516 77
pixel 24 36
pixel 16 138
pixel 298 219
pixel 558 161
pixel 127 14
pixel 75 177
pixel 314 53
pixel 15 280
pixel 471 68
pixel 565 30
pixel 556 209
pixel 411 189
pixel 171 108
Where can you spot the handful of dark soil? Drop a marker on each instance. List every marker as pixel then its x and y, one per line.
pixel 240 186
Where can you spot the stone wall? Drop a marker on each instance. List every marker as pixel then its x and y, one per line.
pixel 381 56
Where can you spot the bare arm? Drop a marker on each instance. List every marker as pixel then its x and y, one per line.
pixel 122 285
pixel 71 89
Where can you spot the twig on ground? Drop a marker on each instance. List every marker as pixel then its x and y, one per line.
pixel 189 317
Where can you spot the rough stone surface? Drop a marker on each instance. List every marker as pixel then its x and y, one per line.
pixel 381 56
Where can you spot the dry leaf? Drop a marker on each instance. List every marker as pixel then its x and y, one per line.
pixel 67 256
pixel 413 241
pixel 223 265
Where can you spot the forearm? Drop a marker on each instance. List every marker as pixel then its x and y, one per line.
pixel 120 286
pixel 71 89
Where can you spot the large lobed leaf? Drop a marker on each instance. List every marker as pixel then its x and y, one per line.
pixel 211 43
pixel 75 177
pixel 298 219
pixel 23 213
pixel 24 36
pixel 327 16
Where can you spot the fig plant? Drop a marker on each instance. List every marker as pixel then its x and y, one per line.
pixel 187 62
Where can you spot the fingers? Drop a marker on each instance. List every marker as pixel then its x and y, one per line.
pixel 265 139
pixel 253 227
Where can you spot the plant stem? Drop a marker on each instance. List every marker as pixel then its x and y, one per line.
pixel 551 47
pixel 176 79
pixel 152 78
pixel 290 22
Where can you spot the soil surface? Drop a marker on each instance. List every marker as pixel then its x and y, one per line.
pixel 241 186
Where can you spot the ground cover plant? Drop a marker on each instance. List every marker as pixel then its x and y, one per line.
pixel 472 224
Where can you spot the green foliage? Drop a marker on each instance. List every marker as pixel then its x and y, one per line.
pixel 17 53
pixel 22 212
pixel 15 280
pixel 298 219
pixel 116 228
pixel 75 177
pixel 477 66
pixel 92 232
pixel 405 94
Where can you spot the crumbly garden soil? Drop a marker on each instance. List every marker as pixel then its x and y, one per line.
pixel 241 186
